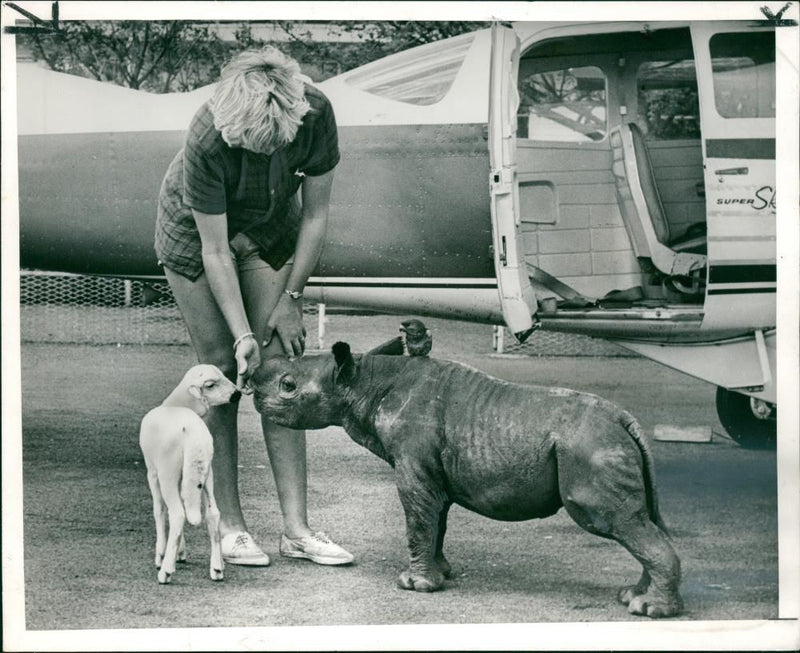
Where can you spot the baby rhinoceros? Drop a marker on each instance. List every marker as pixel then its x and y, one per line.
pixel 504 450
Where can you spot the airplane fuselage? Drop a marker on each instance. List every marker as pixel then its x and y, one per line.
pixel 499 177
pixel 389 215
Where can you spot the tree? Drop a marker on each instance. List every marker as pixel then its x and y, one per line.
pixel 392 36
pixel 373 40
pixel 165 56
pixel 157 56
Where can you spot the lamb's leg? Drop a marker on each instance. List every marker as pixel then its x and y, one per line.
pixel 181 549
pixel 159 515
pixel 177 519
pixel 212 523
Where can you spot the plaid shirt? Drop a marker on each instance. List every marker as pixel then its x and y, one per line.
pixel 257 192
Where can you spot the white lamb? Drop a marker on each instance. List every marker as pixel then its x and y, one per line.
pixel 178 450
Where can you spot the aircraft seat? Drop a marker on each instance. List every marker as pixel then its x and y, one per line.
pixel 643 212
pixel 694 238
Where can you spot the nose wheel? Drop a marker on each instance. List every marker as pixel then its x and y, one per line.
pixel 749 421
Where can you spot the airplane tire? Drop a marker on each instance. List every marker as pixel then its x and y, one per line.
pixel 736 415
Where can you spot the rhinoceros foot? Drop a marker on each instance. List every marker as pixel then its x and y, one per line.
pixel 627 594
pixel 431 582
pixel 654 606
pixel 444 566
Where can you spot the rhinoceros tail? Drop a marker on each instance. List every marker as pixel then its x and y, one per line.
pixel 632 426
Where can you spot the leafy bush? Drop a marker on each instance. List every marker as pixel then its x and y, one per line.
pixel 168 56
pixel 672 113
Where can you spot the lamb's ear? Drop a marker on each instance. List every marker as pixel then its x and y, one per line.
pixel 197 393
pixel 345 365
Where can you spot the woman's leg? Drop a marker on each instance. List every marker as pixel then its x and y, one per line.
pixel 213 343
pixel 262 287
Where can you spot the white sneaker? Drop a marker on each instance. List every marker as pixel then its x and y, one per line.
pixel 241 549
pixel 316 547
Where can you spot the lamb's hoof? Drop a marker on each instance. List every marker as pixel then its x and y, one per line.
pixel 217 574
pixel 418 583
pixel 159 560
pixel 181 558
pixel 163 577
pixel 654 607
pixel 444 567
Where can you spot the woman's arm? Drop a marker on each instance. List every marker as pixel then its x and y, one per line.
pixel 222 277
pixel 316 203
pixel 287 317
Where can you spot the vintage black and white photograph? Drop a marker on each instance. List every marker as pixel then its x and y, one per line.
pixel 385 326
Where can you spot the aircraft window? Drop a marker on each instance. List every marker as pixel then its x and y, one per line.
pixel 421 76
pixel 668 105
pixel 743 68
pixel 568 104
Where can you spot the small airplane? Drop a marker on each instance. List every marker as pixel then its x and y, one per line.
pixel 609 179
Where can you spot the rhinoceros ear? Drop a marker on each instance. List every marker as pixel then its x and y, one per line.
pixel 345 365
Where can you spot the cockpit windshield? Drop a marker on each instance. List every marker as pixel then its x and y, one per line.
pixel 420 76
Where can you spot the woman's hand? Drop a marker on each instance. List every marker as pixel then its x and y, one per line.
pixel 286 321
pixel 248 358
pixel 287 317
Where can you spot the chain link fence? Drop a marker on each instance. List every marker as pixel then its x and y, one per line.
pixel 81 309
pixel 78 309
pixel 552 343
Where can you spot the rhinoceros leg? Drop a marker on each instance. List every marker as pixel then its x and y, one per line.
pixel 603 490
pixel 650 546
pixel 423 504
pixel 626 594
pixel 444 565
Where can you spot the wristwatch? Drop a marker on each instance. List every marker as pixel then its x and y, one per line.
pixel 294 294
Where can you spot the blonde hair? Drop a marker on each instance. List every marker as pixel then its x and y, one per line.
pixel 259 102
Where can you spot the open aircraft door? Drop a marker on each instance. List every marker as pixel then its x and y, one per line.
pixel 735 66
pixel 735 63
pixel 736 72
pixel 516 294
pixel 736 69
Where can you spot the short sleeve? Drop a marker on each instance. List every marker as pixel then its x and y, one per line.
pixel 324 151
pixel 203 169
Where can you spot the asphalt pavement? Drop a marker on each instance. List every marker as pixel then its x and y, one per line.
pixel 88 532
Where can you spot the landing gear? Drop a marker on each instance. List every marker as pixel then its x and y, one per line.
pixel 749 421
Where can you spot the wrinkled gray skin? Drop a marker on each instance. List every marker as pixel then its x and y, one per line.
pixel 504 450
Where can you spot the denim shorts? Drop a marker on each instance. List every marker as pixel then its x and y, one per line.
pixel 245 252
